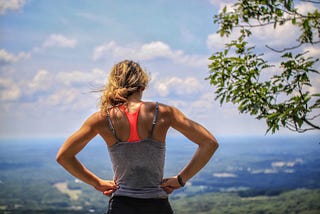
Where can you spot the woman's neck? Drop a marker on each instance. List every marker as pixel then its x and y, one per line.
pixel 133 102
pixel 134 98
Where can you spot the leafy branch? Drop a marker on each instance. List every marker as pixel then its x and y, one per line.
pixel 284 99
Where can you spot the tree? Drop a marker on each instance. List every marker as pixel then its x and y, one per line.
pixel 283 98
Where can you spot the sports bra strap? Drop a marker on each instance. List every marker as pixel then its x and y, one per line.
pixel 155 117
pixel 111 126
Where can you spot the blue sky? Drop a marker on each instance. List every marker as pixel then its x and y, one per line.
pixel 54 53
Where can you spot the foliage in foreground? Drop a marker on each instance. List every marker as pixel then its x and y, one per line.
pixel 279 93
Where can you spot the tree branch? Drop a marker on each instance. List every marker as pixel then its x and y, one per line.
pixel 311 124
pixel 291 48
pixel 315 2
pixel 294 128
pixel 285 49
pixel 314 117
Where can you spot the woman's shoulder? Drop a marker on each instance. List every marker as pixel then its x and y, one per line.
pixel 163 109
pixel 152 105
pixel 96 117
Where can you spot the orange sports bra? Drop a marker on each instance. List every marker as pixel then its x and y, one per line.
pixel 133 121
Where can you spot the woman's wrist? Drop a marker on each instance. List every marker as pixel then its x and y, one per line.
pixel 96 182
pixel 180 181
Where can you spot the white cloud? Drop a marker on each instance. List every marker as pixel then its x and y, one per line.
pixel 155 49
pixel 42 81
pixel 222 2
pixel 57 40
pixel 50 89
pixel 283 36
pixel 10 5
pixel 179 86
pixel 305 7
pixel 144 52
pixel 148 51
pixel 315 82
pixel 80 77
pixel 217 43
pixel 9 90
pixel 7 58
pixel 313 51
pixel 63 97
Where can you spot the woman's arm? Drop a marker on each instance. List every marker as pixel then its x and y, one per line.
pixel 72 146
pixel 207 145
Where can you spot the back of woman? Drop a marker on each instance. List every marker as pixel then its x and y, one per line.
pixel 137 156
pixel 135 133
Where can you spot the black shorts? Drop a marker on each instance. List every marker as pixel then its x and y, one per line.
pixel 129 205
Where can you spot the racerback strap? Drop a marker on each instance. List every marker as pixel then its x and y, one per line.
pixel 155 117
pixel 154 121
pixel 111 126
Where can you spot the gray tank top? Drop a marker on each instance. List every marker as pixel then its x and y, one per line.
pixel 138 166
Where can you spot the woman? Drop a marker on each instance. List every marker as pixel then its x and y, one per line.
pixel 135 133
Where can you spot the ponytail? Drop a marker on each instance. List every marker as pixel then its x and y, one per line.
pixel 125 78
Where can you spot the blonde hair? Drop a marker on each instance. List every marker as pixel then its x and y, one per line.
pixel 125 78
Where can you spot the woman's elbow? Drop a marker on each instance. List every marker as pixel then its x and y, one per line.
pixel 213 145
pixel 61 158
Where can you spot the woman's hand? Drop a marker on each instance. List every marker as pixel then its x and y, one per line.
pixel 107 187
pixel 170 184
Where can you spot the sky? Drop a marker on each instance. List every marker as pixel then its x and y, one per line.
pixel 55 54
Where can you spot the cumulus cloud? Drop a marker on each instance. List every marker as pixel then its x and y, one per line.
pixel 144 52
pixel 63 97
pixel 148 51
pixel 201 106
pixel 80 77
pixel 275 38
pixel 179 86
pixel 48 89
pixel 313 51
pixel 7 58
pixel 10 90
pixel 217 43
pixel 42 81
pixel 222 2
pixel 62 90
pixel 305 7
pixel 57 40
pixel 6 5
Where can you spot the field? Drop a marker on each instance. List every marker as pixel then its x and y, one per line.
pixel 247 175
pixel 297 201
